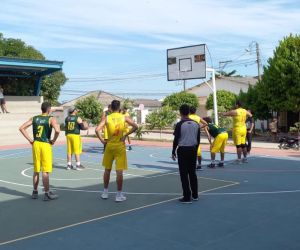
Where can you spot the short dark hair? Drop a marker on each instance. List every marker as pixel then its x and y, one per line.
pixel 45 107
pixel 238 103
pixel 207 119
pixel 115 105
pixel 193 110
pixel 184 109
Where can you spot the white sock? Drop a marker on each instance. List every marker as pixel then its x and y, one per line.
pixel 213 162
pixel 119 193
pixel 69 163
pixel 78 163
pixel 105 190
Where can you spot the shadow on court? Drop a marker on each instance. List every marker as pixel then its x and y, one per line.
pixel 24 216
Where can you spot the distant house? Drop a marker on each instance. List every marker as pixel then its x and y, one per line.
pixel 103 97
pixel 144 107
pixel 232 84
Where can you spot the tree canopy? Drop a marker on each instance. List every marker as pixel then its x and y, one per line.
pixel 161 118
pixel 281 79
pixel 51 84
pixel 225 99
pixel 89 109
pixel 177 99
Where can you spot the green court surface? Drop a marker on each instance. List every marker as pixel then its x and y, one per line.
pixel 233 200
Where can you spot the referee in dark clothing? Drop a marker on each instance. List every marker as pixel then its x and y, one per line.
pixel 186 141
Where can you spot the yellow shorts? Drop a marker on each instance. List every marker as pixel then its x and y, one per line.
pixel 42 157
pixel 199 151
pixel 74 144
pixel 105 136
pixel 219 143
pixel 239 135
pixel 115 152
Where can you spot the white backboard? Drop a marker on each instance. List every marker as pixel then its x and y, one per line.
pixel 186 63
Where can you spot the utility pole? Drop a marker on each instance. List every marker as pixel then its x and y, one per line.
pixel 183 85
pixel 258 61
pixel 224 64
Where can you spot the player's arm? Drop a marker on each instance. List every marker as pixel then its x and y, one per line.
pixel 133 125
pixel 207 134
pixel 24 131
pixel 56 128
pixel 229 113
pixel 99 129
pixel 83 124
pixel 176 139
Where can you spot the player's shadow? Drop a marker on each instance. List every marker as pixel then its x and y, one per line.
pixel 169 162
pixel 13 192
pixel 148 166
pixel 93 149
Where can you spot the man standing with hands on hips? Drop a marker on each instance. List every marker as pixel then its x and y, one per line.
pixel 186 142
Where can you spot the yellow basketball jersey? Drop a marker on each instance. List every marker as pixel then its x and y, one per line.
pixel 115 123
pixel 195 118
pixel 239 121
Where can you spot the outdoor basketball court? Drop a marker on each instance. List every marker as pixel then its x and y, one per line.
pixel 250 206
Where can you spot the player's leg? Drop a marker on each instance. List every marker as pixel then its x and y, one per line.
pixel 36 155
pixel 199 158
pixel 224 137
pixel 107 162
pixel 46 169
pixel 183 171
pixel 191 163
pixel 249 142
pixel 213 151
pixel 121 165
pixel 77 151
pixel 69 152
pixel 129 143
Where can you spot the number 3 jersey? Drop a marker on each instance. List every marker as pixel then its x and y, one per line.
pixel 115 123
pixel 71 125
pixel 41 128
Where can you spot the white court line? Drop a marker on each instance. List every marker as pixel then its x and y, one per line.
pixel 277 157
pixel 78 179
pixel 100 218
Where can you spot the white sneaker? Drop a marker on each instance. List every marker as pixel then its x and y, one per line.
pixel 237 161
pixel 74 168
pixel 245 160
pixel 69 167
pixel 120 198
pixel 104 195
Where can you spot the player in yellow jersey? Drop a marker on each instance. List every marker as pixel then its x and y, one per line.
pixel 200 121
pixel 239 130
pixel 41 148
pixel 115 147
pixel 127 129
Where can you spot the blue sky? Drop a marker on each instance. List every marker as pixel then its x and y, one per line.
pixel 120 46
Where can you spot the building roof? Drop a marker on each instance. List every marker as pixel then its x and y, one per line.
pixel 231 84
pixel 234 79
pixel 103 97
pixel 28 68
pixel 151 103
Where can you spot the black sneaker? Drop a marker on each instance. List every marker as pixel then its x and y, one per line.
pixel 35 194
pixel 221 164
pixel 199 167
pixel 129 148
pixel 80 167
pixel 195 198
pixel 50 196
pixel 212 165
pixel 185 201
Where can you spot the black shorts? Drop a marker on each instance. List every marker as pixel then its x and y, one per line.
pixel 2 101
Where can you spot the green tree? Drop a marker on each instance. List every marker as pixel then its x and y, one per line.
pixel 128 104
pixel 161 118
pixel 224 121
pixel 51 84
pixel 281 79
pixel 225 99
pixel 253 100
pixel 89 109
pixel 177 99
